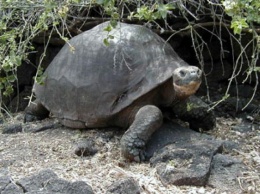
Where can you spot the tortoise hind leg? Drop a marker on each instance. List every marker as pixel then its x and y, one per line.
pixel 147 120
pixel 35 111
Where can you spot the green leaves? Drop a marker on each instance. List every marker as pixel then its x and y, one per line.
pixel 106 40
pixel 157 11
pixel 243 12
pixel 238 24
pixel 40 77
pixel 109 7
pixel 8 90
pixel 11 61
pixel 6 84
pixel 163 10
pixel 145 13
pixel 20 22
pixel 108 29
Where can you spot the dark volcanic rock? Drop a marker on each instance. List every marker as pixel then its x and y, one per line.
pixel 34 182
pixel 80 187
pixel 124 186
pixel 12 128
pixel 47 182
pixel 56 185
pixel 61 186
pixel 173 133
pixel 187 164
pixel 12 188
pixel 4 181
pixel 225 172
pixel 233 106
pixel 186 160
pixel 86 147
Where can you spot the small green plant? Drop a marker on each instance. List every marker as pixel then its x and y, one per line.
pixel 190 106
pixel 172 163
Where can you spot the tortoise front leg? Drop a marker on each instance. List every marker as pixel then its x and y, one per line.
pixel 147 120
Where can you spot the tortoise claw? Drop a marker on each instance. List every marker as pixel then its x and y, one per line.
pixel 133 149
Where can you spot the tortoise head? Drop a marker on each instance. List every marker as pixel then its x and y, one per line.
pixel 186 81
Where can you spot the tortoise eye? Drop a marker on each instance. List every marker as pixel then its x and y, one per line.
pixel 182 73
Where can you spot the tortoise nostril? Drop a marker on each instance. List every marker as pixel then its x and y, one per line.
pixel 195 72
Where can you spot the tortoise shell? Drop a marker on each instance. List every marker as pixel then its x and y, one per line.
pixel 88 80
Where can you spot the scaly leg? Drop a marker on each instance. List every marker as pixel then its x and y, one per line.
pixel 147 120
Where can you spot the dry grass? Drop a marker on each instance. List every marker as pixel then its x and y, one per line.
pixel 26 153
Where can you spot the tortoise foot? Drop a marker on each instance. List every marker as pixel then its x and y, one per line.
pixel 31 118
pixel 35 111
pixel 133 149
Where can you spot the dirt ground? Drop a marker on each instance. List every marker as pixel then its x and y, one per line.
pixel 25 153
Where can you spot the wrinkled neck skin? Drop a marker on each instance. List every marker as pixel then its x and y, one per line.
pixel 184 92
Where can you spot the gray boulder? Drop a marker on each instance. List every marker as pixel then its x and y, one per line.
pixel 182 156
pixel 124 186
pixel 36 181
pixel 225 172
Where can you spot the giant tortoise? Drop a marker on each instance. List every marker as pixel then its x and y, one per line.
pixel 126 83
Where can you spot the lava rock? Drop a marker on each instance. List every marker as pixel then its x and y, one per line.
pixel 36 181
pixel 234 107
pixel 61 186
pixel 124 186
pixel 47 182
pixel 225 172
pixel 4 181
pixel 86 147
pixel 187 164
pixel 12 188
pixel 13 128
pixel 182 156
pixel 173 133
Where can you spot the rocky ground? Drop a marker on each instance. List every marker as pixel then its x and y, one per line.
pixel 34 159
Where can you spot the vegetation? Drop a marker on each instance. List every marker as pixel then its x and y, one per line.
pixel 21 21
